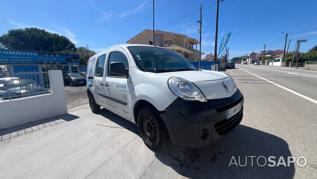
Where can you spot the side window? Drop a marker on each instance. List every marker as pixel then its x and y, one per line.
pixel 100 65
pixel 117 57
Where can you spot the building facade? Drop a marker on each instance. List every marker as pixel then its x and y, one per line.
pixel 180 43
pixel 13 62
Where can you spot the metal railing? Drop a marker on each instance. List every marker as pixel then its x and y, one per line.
pixel 24 84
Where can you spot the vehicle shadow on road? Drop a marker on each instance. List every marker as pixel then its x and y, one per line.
pixel 8 133
pixel 241 144
pixel 119 120
pixel 213 161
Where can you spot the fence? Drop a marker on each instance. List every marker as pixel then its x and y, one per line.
pixel 206 65
pixel 311 65
pixel 37 106
pixel 24 84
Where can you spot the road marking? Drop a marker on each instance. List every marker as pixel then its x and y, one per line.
pixel 280 86
pixel 285 71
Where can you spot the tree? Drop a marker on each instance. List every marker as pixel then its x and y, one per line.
pixel 236 59
pixel 35 39
pixel 2 47
pixel 311 55
pixel 84 54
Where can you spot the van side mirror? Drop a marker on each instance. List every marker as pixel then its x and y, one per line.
pixel 118 69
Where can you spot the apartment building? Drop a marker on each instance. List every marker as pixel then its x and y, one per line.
pixel 180 43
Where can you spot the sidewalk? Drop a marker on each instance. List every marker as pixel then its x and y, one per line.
pixel 78 145
pixel 85 145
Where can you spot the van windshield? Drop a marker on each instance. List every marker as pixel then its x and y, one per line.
pixel 155 59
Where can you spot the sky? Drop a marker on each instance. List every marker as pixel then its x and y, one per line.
pixel 101 23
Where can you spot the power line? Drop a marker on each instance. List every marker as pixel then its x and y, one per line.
pixel 302 31
pixel 193 14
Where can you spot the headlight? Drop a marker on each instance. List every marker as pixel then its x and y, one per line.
pixel 233 85
pixel 186 90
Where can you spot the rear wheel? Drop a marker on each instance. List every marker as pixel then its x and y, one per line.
pixel 151 128
pixel 95 108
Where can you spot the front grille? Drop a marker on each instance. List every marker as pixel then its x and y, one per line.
pixel 224 126
pixel 229 105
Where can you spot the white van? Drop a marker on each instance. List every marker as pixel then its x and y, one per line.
pixel 164 95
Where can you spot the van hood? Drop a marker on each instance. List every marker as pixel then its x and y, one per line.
pixel 214 85
pixel 196 76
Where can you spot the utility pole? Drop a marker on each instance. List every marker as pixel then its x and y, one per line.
pixel 284 51
pixel 200 32
pixel 216 32
pixel 295 55
pixel 289 43
pixel 153 33
pixel 227 54
pixel 264 46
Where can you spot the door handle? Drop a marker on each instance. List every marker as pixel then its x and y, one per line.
pixel 107 84
pixel 101 84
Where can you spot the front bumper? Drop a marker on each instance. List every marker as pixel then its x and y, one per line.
pixel 197 124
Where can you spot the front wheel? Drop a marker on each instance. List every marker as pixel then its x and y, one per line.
pixel 152 129
pixel 95 108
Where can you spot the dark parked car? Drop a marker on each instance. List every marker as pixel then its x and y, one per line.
pixel 74 79
pixel 230 65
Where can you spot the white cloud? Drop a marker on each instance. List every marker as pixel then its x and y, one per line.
pixel 191 29
pixel 64 31
pixel 307 34
pixel 133 11
pixel 207 41
pixel 104 14
pixel 69 34
pixel 21 25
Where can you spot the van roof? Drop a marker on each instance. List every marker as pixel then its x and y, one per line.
pixel 122 45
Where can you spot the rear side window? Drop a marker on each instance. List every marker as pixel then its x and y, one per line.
pixel 117 57
pixel 100 66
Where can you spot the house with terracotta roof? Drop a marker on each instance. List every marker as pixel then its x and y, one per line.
pixel 180 43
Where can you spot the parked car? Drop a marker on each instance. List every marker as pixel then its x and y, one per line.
pixel 164 95
pixel 230 65
pixel 257 63
pixel 74 79
pixel 244 62
pixel 83 74
pixel 13 87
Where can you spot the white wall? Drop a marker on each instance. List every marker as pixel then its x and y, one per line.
pixel 276 62
pixel 20 111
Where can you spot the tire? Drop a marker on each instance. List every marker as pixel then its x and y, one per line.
pixel 152 129
pixel 95 108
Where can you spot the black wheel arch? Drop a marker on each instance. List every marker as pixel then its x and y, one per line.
pixel 141 103
pixel 138 105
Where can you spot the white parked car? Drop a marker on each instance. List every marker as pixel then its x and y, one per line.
pixel 164 95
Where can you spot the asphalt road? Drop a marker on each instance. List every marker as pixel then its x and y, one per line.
pixel 75 96
pixel 279 121
pixel 282 102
